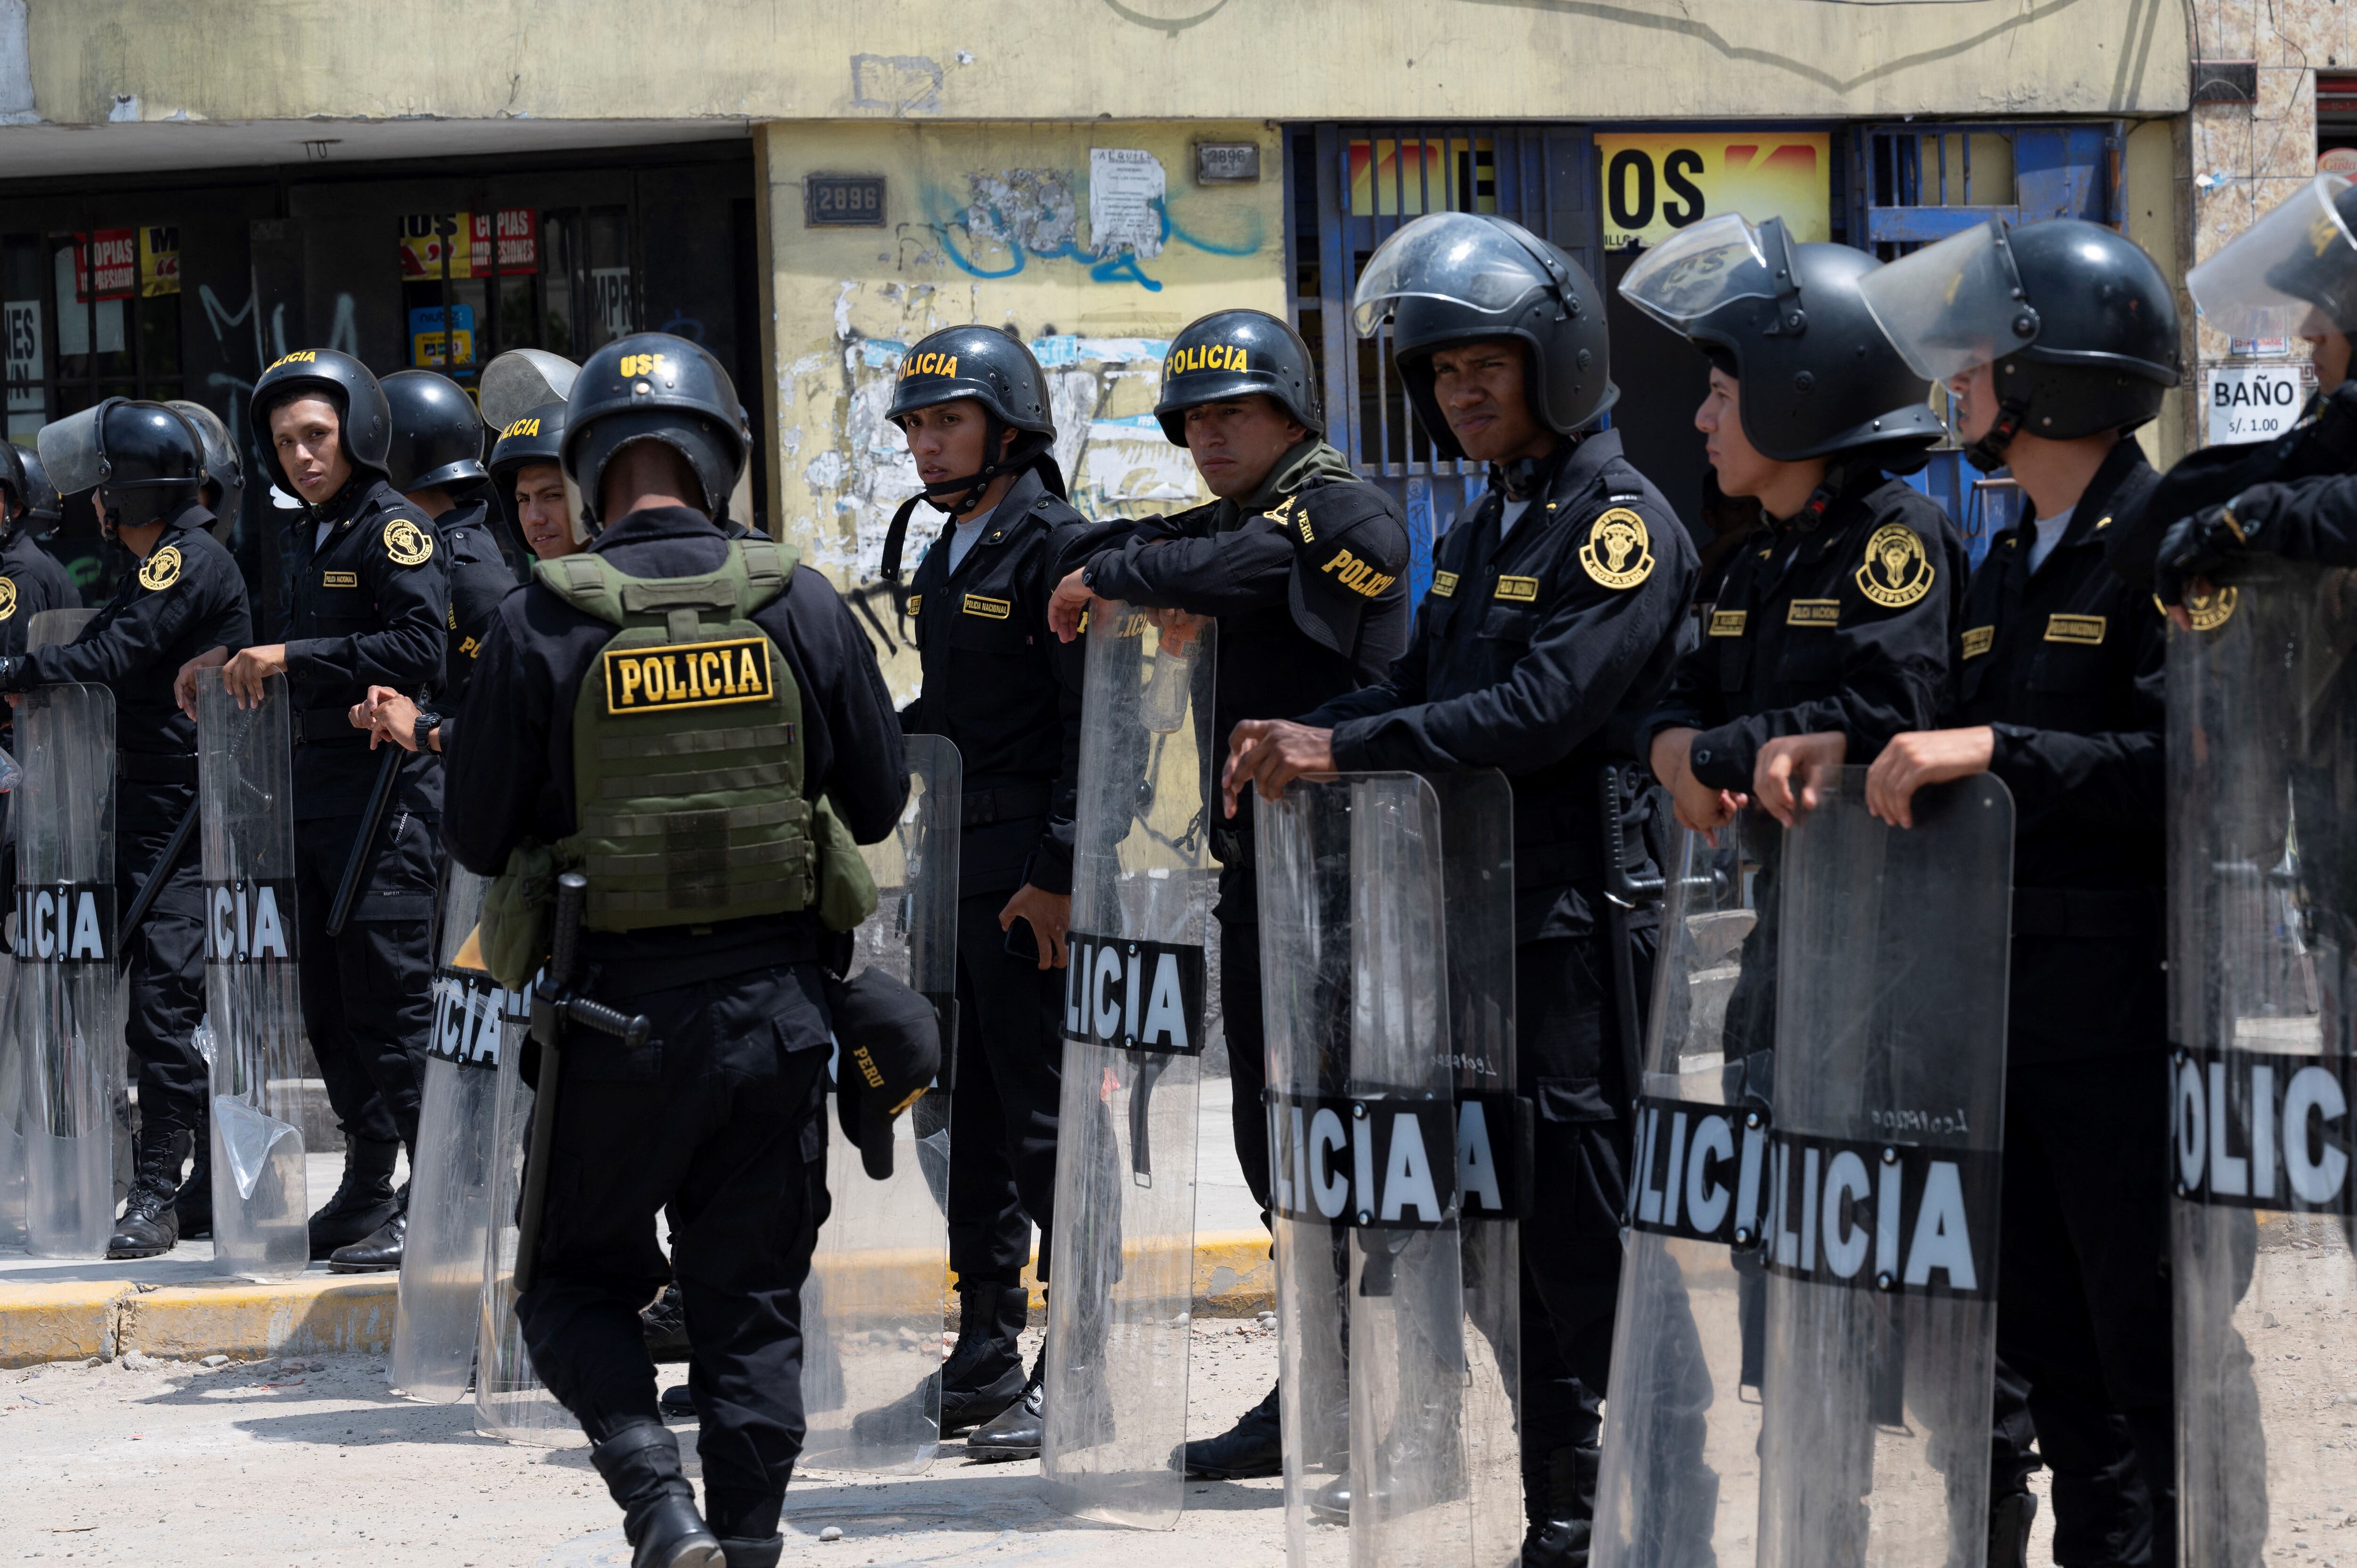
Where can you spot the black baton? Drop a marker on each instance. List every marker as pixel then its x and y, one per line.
pixel 555 1007
pixel 1622 895
pixel 148 890
pixel 339 913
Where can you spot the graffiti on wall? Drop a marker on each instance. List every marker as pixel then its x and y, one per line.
pixel 1007 219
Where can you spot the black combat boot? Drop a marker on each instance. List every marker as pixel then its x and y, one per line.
pixel 753 1553
pixel 194 1202
pixel 364 1200
pixel 380 1250
pixel 1559 1500
pixel 2008 1541
pixel 640 1464
pixel 150 1226
pixel 983 1376
pixel 746 1526
pixel 1015 1433
pixel 665 1322
pixel 1254 1446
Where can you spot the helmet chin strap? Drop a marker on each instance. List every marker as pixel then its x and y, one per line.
pixel 1987 454
pixel 1011 458
pixel 1828 490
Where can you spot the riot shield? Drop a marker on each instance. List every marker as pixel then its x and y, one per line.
pixel 12 1096
pixel 1120 1306
pixel 1365 1173
pixel 1883 1177
pixel 71 1008
pixel 2263 885
pixel 442 1264
pixel 245 788
pixel 510 1401
pixel 49 629
pixel 1679 1484
pixel 875 1303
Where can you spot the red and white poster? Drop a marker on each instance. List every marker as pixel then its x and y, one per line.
pixel 113 254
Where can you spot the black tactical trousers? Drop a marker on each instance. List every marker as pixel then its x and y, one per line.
pixel 717 1125
pixel 2084 1297
pixel 167 970
pixel 1247 1034
pixel 368 995
pixel 1004 1104
pixel 1568 1061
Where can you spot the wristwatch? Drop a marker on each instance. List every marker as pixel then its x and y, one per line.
pixel 428 723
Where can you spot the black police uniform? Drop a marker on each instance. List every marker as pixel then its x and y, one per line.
pixel 187 598
pixel 479 578
pixel 1007 693
pixel 31 581
pixel 368 607
pixel 2065 665
pixel 719 1120
pixel 1249 562
pixel 1535 655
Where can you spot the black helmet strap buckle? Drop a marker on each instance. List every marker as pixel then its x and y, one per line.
pixel 1784 264
pixel 1566 298
pixel 1989 452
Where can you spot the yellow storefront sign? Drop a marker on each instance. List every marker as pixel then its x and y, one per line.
pixel 1658 182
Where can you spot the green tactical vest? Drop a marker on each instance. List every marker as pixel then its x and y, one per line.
pixel 687 747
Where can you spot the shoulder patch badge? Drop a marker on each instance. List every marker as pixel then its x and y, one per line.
pixel 1895 572
pixel 1444 585
pixel 1978 640
pixel 2210 610
pixel 406 544
pixel 2087 631
pixel 1619 552
pixel 160 570
pixel 1284 515
pixel 7 597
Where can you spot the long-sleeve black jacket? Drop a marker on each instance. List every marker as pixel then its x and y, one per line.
pixel 1536 655
pixel 31 581
pixel 2065 665
pixel 479 578
pixel 1004 691
pixel 512 777
pixel 1308 579
pixel 367 608
pixel 1842 624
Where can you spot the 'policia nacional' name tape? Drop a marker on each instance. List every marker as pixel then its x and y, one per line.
pixel 65 922
pixel 250 922
pixel 2251 1129
pixel 1883 1216
pixel 1135 994
pixel 1370 1162
pixel 470 1011
pixel 1701 1171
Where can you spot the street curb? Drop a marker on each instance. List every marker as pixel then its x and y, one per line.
pixel 1233 1277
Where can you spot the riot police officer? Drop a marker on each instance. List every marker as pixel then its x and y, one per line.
pixel 1550 626
pixel 972 404
pixel 368 604
pixel 2058 691
pixel 436 463
pixel 1304 566
pixel 186 597
pixel 586 744
pixel 31 580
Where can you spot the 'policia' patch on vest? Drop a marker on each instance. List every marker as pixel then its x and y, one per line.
pixel 687 675
pixel 1376 1163
pixel 250 922
pixel 1701 1171
pixel 66 922
pixel 2253 1129
pixel 1886 1217
pixel 1812 612
pixel 470 1013
pixel 1134 995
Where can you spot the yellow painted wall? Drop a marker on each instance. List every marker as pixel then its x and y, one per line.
pixel 982 59
pixel 990 224
pixel 2156 220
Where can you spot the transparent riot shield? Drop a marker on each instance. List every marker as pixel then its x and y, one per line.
pixel 877 1297
pixel 1364 1177
pixel 1120 1304
pixel 510 1401
pixel 12 1098
pixel 442 1263
pixel 71 1008
pixel 2263 885
pixel 245 788
pixel 1681 1478
pixel 1883 1178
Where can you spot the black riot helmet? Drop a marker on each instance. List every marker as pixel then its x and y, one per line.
pixel 652 386
pixel 1237 353
pixel 2078 324
pixel 1787 321
pixel 43 510
pixel 437 436
pixel 12 485
pixel 2292 273
pixel 1459 277
pixel 364 419
pixel 143 459
pixel 224 490
pixel 997 371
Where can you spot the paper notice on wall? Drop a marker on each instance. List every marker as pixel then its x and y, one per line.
pixel 1124 201
pixel 2253 402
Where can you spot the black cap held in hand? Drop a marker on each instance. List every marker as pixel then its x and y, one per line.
pixel 890 1042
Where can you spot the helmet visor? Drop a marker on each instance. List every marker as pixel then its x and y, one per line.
pixel 2292 273
pixel 1475 262
pixel 521 381
pixel 74 449
pixel 1697 270
pixel 1952 306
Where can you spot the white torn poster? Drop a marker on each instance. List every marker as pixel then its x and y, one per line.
pixel 1124 201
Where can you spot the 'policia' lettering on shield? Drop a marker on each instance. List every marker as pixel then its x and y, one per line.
pixel 470 1013
pixel 250 922
pixel 1134 995
pixel 66 922
pixel 1700 1171
pixel 1375 1163
pixel 2257 1130
pixel 1883 1216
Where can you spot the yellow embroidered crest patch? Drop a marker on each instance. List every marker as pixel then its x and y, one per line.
pixel 7 597
pixel 160 570
pixel 1895 572
pixel 2210 610
pixel 406 544
pixel 1619 552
